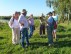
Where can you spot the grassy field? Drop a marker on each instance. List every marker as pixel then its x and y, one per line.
pixel 38 45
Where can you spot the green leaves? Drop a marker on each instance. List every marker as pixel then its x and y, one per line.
pixel 62 7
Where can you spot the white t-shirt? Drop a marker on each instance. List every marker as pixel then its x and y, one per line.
pixel 55 18
pixel 15 23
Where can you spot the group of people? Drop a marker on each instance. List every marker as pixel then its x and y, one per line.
pixel 20 25
pixel 51 25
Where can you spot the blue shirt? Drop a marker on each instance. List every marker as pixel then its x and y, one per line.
pixel 50 21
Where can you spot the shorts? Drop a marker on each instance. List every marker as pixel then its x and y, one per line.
pixel 54 30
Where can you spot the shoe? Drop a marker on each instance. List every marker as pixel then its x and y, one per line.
pixel 27 46
pixel 50 45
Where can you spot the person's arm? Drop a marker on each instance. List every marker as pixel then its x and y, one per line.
pixel 40 21
pixel 22 24
pixel 11 22
pixel 47 22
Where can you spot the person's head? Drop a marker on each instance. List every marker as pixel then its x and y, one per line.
pixel 16 14
pixel 49 14
pixel 53 13
pixel 31 16
pixel 41 18
pixel 24 12
pixel 19 13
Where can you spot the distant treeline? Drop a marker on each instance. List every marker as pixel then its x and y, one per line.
pixel 8 17
pixel 5 17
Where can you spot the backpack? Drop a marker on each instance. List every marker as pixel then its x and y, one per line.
pixel 54 24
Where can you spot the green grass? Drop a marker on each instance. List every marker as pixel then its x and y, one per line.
pixel 38 45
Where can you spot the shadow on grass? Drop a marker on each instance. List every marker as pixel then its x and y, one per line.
pixel 1 38
pixel 62 44
pixel 69 30
pixel 38 44
pixel 38 36
pixel 64 35
pixel 56 44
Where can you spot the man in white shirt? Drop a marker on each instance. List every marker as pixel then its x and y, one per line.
pixel 13 23
pixel 24 27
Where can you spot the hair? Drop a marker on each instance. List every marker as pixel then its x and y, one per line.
pixel 24 12
pixel 19 13
pixel 31 15
pixel 50 13
pixel 16 13
pixel 53 12
pixel 40 18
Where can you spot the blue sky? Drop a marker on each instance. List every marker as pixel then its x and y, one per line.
pixel 35 7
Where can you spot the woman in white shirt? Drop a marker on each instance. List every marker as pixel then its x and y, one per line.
pixel 14 24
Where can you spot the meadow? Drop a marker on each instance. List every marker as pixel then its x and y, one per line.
pixel 38 45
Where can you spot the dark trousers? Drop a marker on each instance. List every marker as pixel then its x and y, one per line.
pixel 42 29
pixel 24 34
pixel 50 36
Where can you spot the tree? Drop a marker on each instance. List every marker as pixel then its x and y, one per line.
pixel 62 7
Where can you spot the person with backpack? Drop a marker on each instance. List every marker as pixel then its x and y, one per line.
pixel 50 26
pixel 31 24
pixel 24 28
pixel 13 23
pixel 55 17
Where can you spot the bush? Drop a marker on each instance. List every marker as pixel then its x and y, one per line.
pixel 61 28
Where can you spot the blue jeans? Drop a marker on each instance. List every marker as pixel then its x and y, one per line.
pixel 24 34
pixel 31 30
pixel 49 33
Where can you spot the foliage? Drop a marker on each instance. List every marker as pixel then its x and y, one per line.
pixel 62 7
pixel 5 17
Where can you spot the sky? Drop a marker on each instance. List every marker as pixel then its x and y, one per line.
pixel 35 7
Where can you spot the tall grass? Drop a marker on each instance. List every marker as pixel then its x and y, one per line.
pixel 38 45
